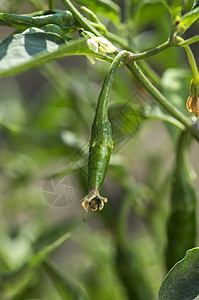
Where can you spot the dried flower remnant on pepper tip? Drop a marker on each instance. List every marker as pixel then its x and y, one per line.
pixel 193 104
pixel 93 201
pixel 193 100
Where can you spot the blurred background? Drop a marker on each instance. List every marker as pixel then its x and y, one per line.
pixel 45 121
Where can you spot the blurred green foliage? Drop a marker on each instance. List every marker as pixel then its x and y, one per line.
pixel 45 120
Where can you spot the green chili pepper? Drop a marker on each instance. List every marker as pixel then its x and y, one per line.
pixel 130 271
pixel 101 143
pixel 64 19
pixel 181 230
pixel 128 263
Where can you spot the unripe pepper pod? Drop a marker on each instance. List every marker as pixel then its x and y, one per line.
pixel 101 143
pixel 181 227
pixel 64 19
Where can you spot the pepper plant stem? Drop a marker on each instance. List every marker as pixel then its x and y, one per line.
pixel 80 18
pixel 191 60
pixel 168 106
pixel 152 52
pixel 51 4
pixel 102 106
pixel 142 63
pixel 191 40
pixel 142 55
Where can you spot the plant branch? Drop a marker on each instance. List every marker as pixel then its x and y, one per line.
pixel 80 18
pixel 191 60
pixel 142 55
pixel 51 4
pixel 142 64
pixel 152 52
pixel 191 40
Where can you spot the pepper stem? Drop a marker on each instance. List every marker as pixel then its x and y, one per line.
pixel 191 60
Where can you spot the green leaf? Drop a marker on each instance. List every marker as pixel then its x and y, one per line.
pixel 155 113
pixel 174 7
pixel 40 255
pixel 10 281
pixel 176 87
pixel 181 283
pixel 66 289
pixel 106 7
pixel 22 52
pixel 187 20
pixel 51 235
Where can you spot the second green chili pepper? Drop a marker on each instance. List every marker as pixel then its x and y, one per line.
pixel 64 19
pixel 181 229
pixel 101 143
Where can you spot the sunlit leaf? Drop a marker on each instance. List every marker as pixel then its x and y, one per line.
pixel 22 52
pixel 188 19
pixel 181 283
pixel 195 4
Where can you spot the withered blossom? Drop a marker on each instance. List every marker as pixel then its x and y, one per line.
pixel 193 100
pixel 193 104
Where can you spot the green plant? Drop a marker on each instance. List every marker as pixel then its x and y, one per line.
pixel 38 136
